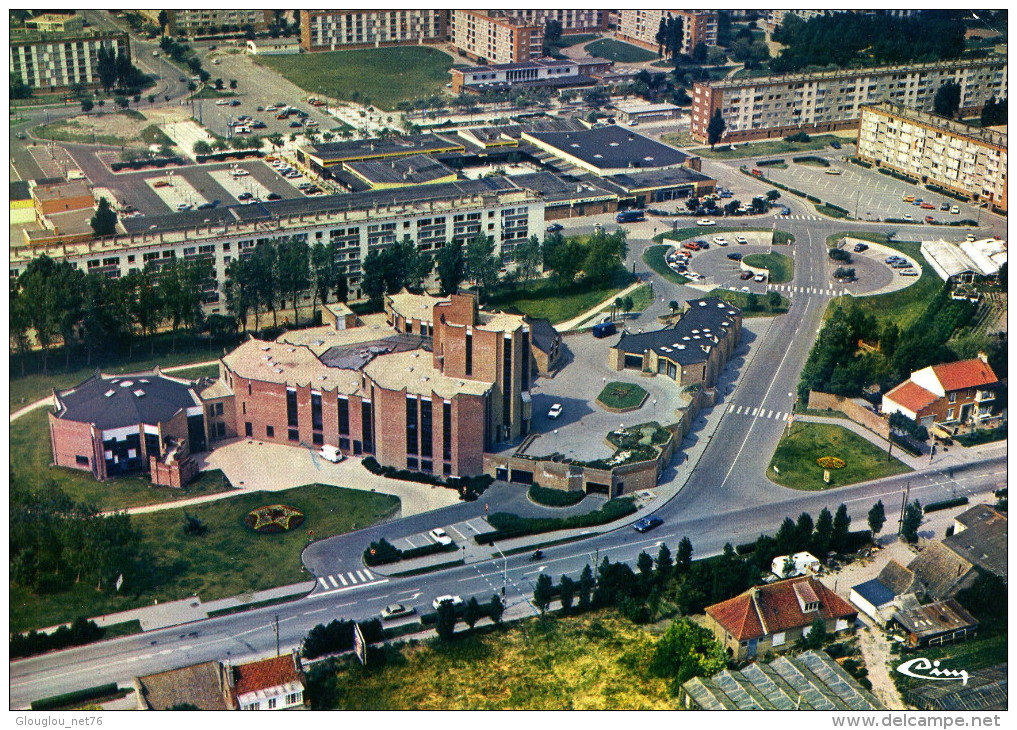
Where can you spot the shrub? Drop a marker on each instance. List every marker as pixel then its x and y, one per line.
pixel 81 632
pixel 839 254
pixel 811 158
pixel 274 518
pixel 844 272
pixel 800 137
pixel 813 199
pixel 469 488
pixel 945 504
pixel 509 525
pixel 769 163
pixel 554 497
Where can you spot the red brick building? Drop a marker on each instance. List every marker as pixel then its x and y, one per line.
pixel 949 394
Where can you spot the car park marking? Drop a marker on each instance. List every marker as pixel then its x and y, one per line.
pixel 461 535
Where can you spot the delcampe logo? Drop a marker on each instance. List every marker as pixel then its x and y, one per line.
pixel 932 671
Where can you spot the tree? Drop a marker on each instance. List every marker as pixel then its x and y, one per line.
pixel 471 612
pixel 817 635
pixel 87 105
pixel 803 531
pixel 877 517
pixel 233 84
pixel 104 222
pixel 683 558
pixel 106 68
pixel 644 564
pixel 372 283
pixel 201 147
pixel 686 650
pixel 495 609
pixel 163 20
pixel 841 527
pixel 552 35
pixel 542 592
pixel 994 112
pixel 773 298
pixel 912 521
pixel 451 267
pixel 947 100
pixel 563 258
pixel 481 265
pixel 585 588
pixel 786 537
pixel 445 624
pixel 823 535
pixel 663 565
pixel 715 129
pixel 567 593
pixel 700 53
pixel 528 257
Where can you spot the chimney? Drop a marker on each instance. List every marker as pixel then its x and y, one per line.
pixel 983 357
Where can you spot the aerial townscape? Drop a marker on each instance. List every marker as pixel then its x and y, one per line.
pixel 439 359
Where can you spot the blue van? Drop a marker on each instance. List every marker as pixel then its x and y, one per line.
pixel 604 329
pixel 628 216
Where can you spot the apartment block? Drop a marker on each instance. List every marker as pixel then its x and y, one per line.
pixel 491 37
pixel 640 27
pixel 52 62
pixel 329 30
pixel 774 106
pixel 968 160
pixel 573 20
pixel 56 23
pixel 201 22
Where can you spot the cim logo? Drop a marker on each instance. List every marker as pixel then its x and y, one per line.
pixel 932 671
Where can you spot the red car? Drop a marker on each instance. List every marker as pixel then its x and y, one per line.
pixel 691 245
pixel 927 206
pixel 929 219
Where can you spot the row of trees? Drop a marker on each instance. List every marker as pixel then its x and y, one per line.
pixel 116 70
pixel 670 36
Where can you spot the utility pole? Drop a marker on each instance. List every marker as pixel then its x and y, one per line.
pixel 903 505
pixel 277 653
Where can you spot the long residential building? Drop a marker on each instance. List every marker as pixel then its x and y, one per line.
pixel 965 159
pixel 329 30
pixel 775 106
pixel 492 37
pixel 640 27
pixel 573 20
pixel 56 61
pixel 210 20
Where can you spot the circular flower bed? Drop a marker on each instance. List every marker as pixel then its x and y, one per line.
pixel 274 518
pixel 830 462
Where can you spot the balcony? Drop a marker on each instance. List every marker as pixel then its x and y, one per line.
pixel 984 396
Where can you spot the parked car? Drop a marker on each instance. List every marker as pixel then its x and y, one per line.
pixel 720 240
pixel 454 600
pixel 741 239
pixel 555 227
pixel 735 256
pixel 331 453
pixel 835 145
pixel 396 610
pixel 929 219
pixel 647 523
pixel 555 411
pixel 745 290
pixel 908 272
pixel 726 194
pixel 908 217
pixel 603 329
pixel 954 210
pixel 273 196
pixel 440 536
pixel 859 247
pixel 927 206
pixel 944 206
pixel 245 196
pixel 908 198
pixel 745 275
pixel 705 222
pixel 760 277
pixel 834 171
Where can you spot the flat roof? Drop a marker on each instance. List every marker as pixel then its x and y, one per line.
pixel 410 170
pixel 671 176
pixel 119 401
pixel 367 148
pixel 60 191
pixel 874 592
pixel 611 147
pixel 552 188
pixel 635 108
pixel 519 66
pixel 414 306
pixel 935 618
pixel 322 339
pixel 280 362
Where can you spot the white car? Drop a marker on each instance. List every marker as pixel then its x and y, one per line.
pixel 454 600
pixel 908 217
pixel 705 222
pixel 745 289
pixel 760 277
pixel 741 239
pixel 720 240
pixel 555 411
pixel 955 210
pixel 440 536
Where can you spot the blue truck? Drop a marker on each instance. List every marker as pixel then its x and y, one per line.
pixel 628 216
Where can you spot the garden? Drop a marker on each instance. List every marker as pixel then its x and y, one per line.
pixel 621 397
pixel 780 268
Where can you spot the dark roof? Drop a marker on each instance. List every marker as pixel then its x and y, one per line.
pixel 117 401
pixel 355 356
pixel 705 323
pixel 983 541
pixel 896 577
pixel 941 617
pixel 939 571
pixel 612 147
pixel 986 689
pixel 543 334
pixel 671 177
pixel 539 63
pixel 197 684
pixel 367 148
pixel 411 170
pixel 555 189
pixel 572 80
pixel 874 592
pixel 19 190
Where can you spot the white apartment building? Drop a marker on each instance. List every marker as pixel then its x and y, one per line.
pixel 49 62
pixel 496 38
pixel 329 30
pixel 640 27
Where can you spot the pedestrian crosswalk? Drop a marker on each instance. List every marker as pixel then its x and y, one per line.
pixel 756 412
pixel 347 579
pixel 797 218
pixel 819 291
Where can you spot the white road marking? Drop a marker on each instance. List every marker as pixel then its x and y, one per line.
pixel 352 578
pixel 370 576
pixel 755 411
pixel 360 575
pixel 341 578
pixel 317 610
pixel 461 535
pixel 332 581
pixel 340 590
pixel 323 583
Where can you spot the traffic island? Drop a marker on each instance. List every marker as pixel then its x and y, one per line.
pixel 621 397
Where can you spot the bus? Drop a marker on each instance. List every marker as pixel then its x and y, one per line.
pixel 628 216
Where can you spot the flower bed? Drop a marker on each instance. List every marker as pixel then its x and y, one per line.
pixel 274 518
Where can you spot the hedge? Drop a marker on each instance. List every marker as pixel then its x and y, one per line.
pixel 77 697
pixel 769 163
pixel 510 525
pixel 836 207
pixel 905 445
pixel 948 193
pixel 81 632
pixel 142 164
pixel 383 552
pixel 469 488
pixel 945 504
pixel 811 158
pixel 430 619
pixel 861 163
pixel 813 199
pixel 555 497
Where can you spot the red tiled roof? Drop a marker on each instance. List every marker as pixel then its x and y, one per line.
pixel 911 396
pixel 964 374
pixel 776 608
pixel 265 674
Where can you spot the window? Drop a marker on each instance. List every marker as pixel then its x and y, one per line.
pixel 270 431
pixel 949 414
pixel 248 429
pixel 218 409
pixel 446 430
pixel 293 434
pixel 425 429
pixel 952 397
pixel 316 420
pixel 778 639
pixel 344 416
pixel 81 460
pixel 411 426
pixel 291 408
pixel 271 703
pixel 469 353
pixel 295 698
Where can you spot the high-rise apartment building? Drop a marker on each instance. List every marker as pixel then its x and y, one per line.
pixel 774 106
pixel 329 30
pixel 573 20
pixel 965 159
pixel 492 37
pixel 200 22
pixel 640 27
pixel 51 62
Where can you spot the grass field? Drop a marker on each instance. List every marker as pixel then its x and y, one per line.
pixel 31 457
pixel 781 267
pixel 228 560
pixel 764 149
pixel 202 371
pixel 621 395
pixel 619 52
pixel 796 455
pixel 380 76
pixel 741 300
pixel 593 662
pixel 543 299
pixel 210 92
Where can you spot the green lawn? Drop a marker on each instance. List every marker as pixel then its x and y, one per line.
pixel 781 267
pixel 827 210
pixel 766 149
pixel 741 300
pixel 621 396
pixel 202 371
pixel 543 299
pixel 229 560
pixel 619 52
pixel 575 40
pixel 654 257
pixel 31 458
pixel 379 76
pixel 796 455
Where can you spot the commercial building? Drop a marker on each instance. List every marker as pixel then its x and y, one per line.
pixel 809 681
pixel 691 352
pixel 573 20
pixel 640 27
pixel 56 23
pixel 212 21
pixel 825 101
pixel 949 394
pixel 610 150
pixel 330 30
pixel 964 261
pixel 322 157
pixel 550 72
pixel 400 172
pixel 492 37
pixel 769 617
pixel 634 112
pixel 56 61
pixel 967 160
pixel 273 47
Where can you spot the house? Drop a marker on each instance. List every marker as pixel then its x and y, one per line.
pixel 769 617
pixel 801 564
pixel 268 684
pixel 870 597
pixel 949 394
pixel 936 623
pixel 948 566
pixel 809 681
